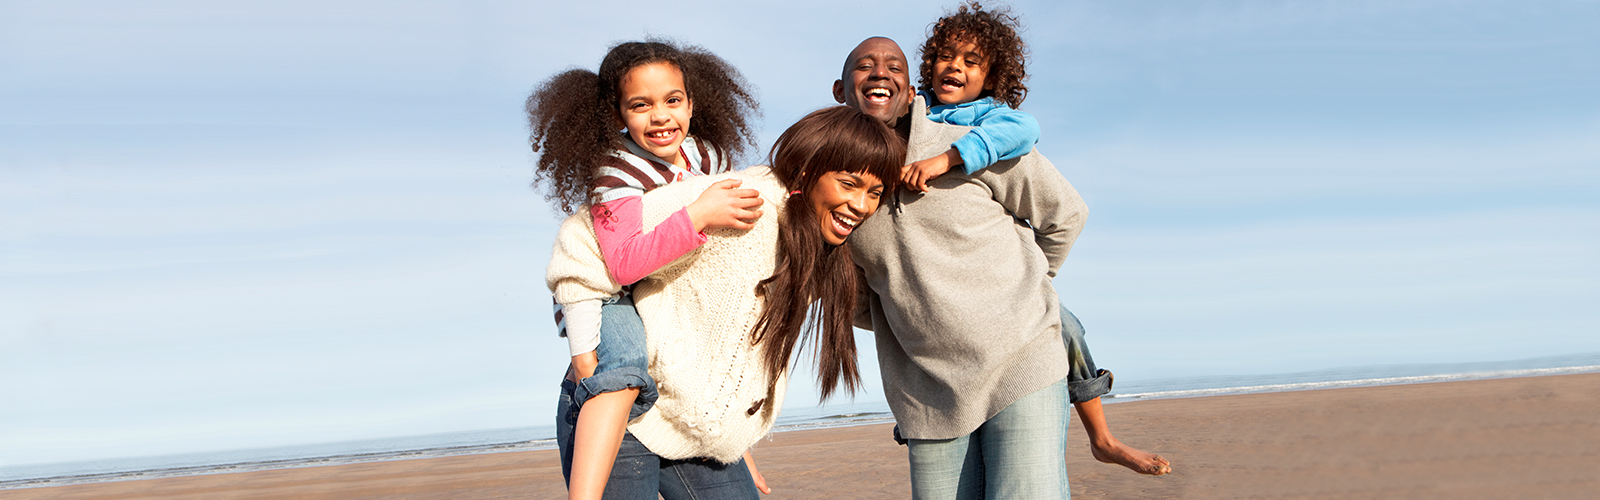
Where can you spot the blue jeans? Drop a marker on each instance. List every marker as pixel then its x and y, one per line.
pixel 1085 381
pixel 639 474
pixel 623 360
pixel 1020 453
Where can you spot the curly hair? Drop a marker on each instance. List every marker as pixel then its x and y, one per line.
pixel 575 115
pixel 810 271
pixel 995 33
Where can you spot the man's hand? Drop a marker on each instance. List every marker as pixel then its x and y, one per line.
pixel 917 174
pixel 723 205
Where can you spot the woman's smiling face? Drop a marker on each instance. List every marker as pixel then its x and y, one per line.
pixel 842 200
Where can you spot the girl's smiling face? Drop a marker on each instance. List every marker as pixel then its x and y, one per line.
pixel 655 108
pixel 842 200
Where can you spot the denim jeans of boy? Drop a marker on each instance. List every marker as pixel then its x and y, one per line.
pixel 1085 381
pixel 623 359
pixel 639 474
pixel 1020 453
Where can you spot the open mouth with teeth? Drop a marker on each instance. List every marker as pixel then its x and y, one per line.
pixel 878 96
pixel 843 225
pixel 662 138
pixel 951 84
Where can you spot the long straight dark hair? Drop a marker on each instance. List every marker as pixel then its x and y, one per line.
pixel 810 271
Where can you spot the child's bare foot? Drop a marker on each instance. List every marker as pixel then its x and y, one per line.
pixel 1114 452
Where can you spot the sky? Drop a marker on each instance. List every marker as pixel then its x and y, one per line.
pixel 244 224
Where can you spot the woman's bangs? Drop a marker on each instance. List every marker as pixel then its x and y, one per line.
pixel 867 147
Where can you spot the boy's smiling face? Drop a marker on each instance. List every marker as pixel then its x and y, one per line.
pixel 876 80
pixel 959 73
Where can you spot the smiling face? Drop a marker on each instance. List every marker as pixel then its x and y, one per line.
pixel 959 73
pixel 876 80
pixel 842 200
pixel 655 108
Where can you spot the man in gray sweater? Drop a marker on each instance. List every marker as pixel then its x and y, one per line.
pixel 958 290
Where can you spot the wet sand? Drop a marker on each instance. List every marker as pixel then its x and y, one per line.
pixel 1535 437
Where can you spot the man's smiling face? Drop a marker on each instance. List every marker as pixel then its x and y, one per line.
pixel 876 81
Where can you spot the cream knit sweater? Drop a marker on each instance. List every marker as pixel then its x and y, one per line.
pixel 698 312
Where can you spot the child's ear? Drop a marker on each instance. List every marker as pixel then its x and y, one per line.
pixel 838 91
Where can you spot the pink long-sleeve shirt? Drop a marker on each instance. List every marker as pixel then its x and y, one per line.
pixel 631 250
pixel 632 253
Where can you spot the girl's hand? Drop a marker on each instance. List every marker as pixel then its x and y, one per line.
pixel 723 205
pixel 761 482
pixel 917 174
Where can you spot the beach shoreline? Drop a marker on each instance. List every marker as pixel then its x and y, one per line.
pixel 1491 438
pixel 852 414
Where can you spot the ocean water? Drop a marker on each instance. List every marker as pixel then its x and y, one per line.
pixel 829 416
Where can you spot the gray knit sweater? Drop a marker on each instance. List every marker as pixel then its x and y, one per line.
pixel 960 295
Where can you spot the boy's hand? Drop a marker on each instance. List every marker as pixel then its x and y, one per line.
pixel 723 205
pixel 585 364
pixel 917 174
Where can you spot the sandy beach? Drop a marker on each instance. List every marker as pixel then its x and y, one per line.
pixel 1536 437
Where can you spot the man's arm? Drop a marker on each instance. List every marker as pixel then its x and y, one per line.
pixel 864 300
pixel 1033 190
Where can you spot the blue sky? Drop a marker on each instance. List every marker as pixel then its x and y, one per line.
pixel 268 223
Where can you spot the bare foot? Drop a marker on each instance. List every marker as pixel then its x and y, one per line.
pixel 1114 452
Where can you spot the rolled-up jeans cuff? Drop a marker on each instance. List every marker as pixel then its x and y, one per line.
pixel 1083 390
pixel 626 377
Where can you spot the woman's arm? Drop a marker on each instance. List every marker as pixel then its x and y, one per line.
pixel 761 482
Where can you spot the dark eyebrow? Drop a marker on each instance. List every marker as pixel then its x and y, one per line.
pixel 858 180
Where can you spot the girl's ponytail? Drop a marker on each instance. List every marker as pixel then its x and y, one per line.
pixel 573 130
pixel 723 102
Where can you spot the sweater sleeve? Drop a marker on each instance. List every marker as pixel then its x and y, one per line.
pixel 864 300
pixel 1035 191
pixel 629 251
pixel 1000 134
pixel 577 271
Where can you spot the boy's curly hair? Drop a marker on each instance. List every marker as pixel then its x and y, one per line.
pixel 995 33
pixel 574 116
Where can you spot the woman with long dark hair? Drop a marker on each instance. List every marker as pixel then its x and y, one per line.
pixel 723 321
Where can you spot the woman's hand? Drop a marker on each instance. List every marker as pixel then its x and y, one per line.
pixel 761 482
pixel 723 205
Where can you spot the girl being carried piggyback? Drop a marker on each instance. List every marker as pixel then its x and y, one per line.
pixel 683 113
